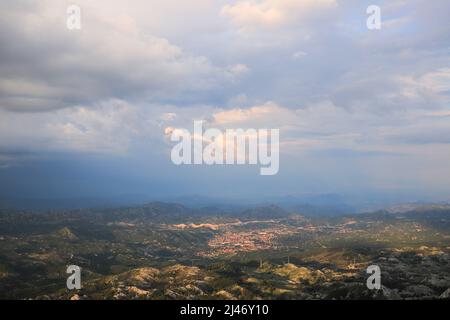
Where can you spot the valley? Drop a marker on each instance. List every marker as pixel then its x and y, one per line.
pixel 168 251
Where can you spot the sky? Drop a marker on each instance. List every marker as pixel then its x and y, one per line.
pixel 85 113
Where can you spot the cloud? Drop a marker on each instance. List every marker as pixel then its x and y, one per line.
pixel 103 128
pixel 299 54
pixel 238 70
pixel 251 116
pixel 325 126
pixel 45 66
pixel 273 13
pixel 347 101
